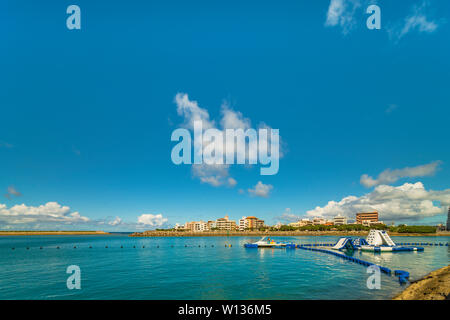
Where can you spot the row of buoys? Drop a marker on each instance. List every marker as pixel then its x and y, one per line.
pixel 403 275
pixel 121 247
pixel 423 244
pixel 317 244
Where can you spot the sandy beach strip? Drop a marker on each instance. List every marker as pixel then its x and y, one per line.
pixel 434 286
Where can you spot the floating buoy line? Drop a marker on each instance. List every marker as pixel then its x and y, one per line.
pixel 229 245
pixel 402 275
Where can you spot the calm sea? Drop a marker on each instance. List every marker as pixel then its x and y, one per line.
pixel 197 268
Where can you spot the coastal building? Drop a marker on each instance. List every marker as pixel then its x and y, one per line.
pixel 297 224
pixel 367 216
pixel 179 227
pixel 211 224
pixel 339 220
pixel 242 224
pixel 448 219
pixel 225 224
pixel 196 226
pixel 318 221
pixel 300 223
pixel 250 223
pixel 368 223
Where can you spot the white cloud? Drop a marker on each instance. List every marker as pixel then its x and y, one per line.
pixel 191 112
pixel 342 13
pixel 287 217
pixel 217 174
pixel 51 212
pixel 232 182
pixel 261 190
pixel 390 176
pixel 53 216
pixel 115 222
pixel 406 202
pixel 153 220
pixel 213 174
pixel 417 20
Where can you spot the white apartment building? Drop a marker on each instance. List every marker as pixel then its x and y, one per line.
pixel 242 224
pixel 196 226
pixel 225 224
pixel 340 220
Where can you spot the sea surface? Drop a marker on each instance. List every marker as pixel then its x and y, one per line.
pixel 122 267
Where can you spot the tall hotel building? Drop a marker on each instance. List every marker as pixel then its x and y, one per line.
pixel 372 217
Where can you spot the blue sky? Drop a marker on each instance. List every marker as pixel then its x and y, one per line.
pixel 87 114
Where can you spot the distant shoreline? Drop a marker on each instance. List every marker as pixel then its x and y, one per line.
pixel 48 233
pixel 434 286
pixel 275 233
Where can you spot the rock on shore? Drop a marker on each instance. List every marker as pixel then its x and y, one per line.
pixel 434 286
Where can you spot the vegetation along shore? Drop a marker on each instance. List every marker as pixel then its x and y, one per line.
pixel 221 233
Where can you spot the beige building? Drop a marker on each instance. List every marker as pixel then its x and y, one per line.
pixel 196 226
pixel 319 221
pixel 225 224
pixel 367 216
pixel 252 223
pixel 340 220
pixel 211 224
pixel 301 223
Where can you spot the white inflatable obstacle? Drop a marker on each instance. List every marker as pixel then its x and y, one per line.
pixel 378 238
pixel 343 243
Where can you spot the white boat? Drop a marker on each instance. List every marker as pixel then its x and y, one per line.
pixel 266 242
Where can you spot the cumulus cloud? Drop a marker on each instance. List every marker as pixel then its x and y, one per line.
pixel 152 220
pixel 416 21
pixel 232 182
pixel 53 216
pixel 213 174
pixel 191 112
pixel 406 202
pixel 390 176
pixel 115 222
pixel 287 217
pixel 341 13
pixel 51 212
pixel 261 190
pixel 218 174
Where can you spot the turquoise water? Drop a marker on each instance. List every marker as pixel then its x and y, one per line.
pixel 211 271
